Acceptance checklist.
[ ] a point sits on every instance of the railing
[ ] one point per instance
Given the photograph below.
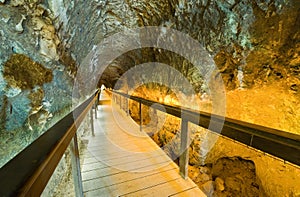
(278, 143)
(28, 173)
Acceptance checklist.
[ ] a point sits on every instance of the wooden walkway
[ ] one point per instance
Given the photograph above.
(122, 161)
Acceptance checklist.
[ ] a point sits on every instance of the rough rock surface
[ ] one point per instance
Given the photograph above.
(34, 85)
(267, 176)
(255, 45)
(273, 175)
(235, 176)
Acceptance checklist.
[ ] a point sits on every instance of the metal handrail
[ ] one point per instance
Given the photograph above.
(28, 173)
(279, 143)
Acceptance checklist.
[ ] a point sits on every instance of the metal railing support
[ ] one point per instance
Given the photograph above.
(184, 149)
(95, 107)
(76, 167)
(127, 106)
(121, 103)
(92, 122)
(141, 116)
(98, 98)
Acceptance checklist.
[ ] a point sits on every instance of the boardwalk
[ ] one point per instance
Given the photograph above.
(122, 161)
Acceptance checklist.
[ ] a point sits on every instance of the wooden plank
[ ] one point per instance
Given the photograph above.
(90, 160)
(135, 166)
(92, 166)
(103, 140)
(130, 163)
(118, 177)
(116, 151)
(134, 185)
(164, 189)
(193, 192)
(125, 144)
(85, 155)
(120, 151)
(104, 102)
(119, 160)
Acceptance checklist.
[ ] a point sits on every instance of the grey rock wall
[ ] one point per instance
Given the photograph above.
(253, 43)
(34, 83)
(235, 33)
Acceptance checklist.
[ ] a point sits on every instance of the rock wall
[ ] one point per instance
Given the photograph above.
(276, 177)
(268, 176)
(34, 83)
(228, 176)
(235, 33)
(255, 45)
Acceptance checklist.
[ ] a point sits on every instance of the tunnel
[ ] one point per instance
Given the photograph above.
(211, 86)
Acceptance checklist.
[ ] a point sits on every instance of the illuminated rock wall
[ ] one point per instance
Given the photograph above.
(255, 45)
(270, 176)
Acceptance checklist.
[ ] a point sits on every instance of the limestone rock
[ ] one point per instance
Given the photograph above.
(204, 178)
(205, 169)
(22, 72)
(17, 3)
(48, 49)
(194, 173)
(19, 26)
(219, 183)
(13, 91)
(208, 188)
(234, 184)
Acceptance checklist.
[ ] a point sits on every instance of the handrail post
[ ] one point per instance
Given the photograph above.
(141, 116)
(121, 102)
(127, 102)
(92, 122)
(184, 148)
(127, 106)
(76, 167)
(98, 98)
(96, 106)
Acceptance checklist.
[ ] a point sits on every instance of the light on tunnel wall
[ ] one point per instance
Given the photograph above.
(102, 87)
(169, 100)
(155, 72)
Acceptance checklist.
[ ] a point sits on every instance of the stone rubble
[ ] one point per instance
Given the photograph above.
(19, 26)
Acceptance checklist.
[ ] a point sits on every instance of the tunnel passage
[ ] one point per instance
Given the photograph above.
(254, 44)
